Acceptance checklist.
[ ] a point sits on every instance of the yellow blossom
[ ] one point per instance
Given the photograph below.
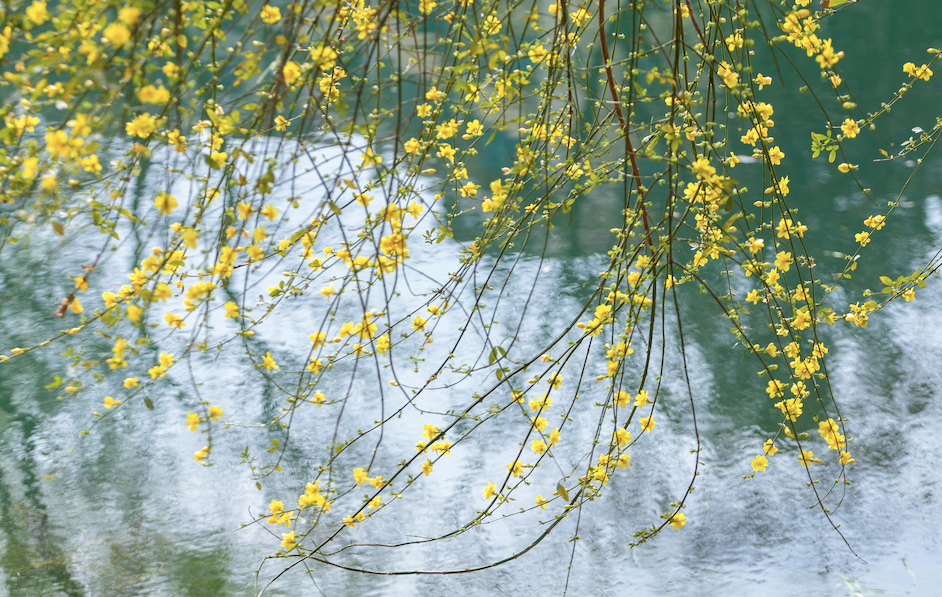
(117, 34)
(270, 14)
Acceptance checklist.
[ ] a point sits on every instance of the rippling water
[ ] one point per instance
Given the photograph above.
(130, 513)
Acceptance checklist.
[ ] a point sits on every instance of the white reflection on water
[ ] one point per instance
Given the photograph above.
(133, 515)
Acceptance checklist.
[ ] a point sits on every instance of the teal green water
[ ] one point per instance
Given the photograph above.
(130, 514)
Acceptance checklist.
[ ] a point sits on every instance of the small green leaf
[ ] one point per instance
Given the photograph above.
(148, 403)
(562, 491)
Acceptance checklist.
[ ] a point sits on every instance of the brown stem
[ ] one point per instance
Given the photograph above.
(635, 172)
(693, 20)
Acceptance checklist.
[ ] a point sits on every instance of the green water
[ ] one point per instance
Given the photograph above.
(130, 513)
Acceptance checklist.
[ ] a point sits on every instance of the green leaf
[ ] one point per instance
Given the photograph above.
(886, 280)
(562, 491)
(56, 382)
(59, 228)
(148, 403)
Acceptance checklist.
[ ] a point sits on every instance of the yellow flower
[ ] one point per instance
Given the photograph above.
(174, 321)
(281, 123)
(647, 423)
(36, 12)
(153, 95)
(129, 15)
(474, 130)
(219, 158)
(57, 142)
(678, 520)
(109, 402)
(291, 71)
(515, 468)
(370, 158)
(193, 421)
(536, 53)
(165, 203)
(850, 128)
(621, 436)
(469, 189)
(130, 382)
(134, 312)
(269, 211)
(117, 34)
(90, 163)
(769, 447)
(729, 76)
(232, 309)
(142, 126)
(268, 362)
(287, 541)
(271, 14)
(492, 24)
(215, 412)
(759, 463)
(806, 457)
(324, 57)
